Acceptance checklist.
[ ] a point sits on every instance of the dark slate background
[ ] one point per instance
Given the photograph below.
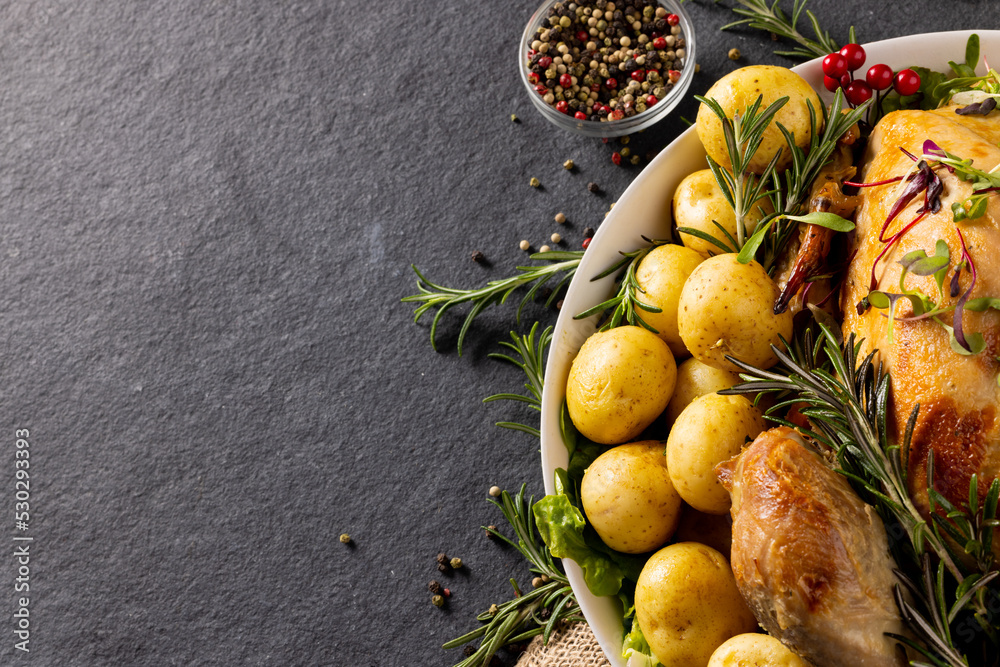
(209, 210)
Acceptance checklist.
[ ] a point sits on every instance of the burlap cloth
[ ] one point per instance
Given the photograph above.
(573, 646)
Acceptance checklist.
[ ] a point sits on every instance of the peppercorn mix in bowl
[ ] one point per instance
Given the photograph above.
(606, 69)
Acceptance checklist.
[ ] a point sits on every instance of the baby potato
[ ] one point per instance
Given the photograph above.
(629, 498)
(619, 383)
(699, 203)
(661, 274)
(714, 530)
(687, 604)
(711, 430)
(736, 91)
(695, 379)
(755, 650)
(727, 308)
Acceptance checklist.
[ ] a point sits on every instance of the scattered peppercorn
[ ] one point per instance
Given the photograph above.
(490, 535)
(545, 613)
(593, 187)
(468, 651)
(584, 245)
(568, 165)
(446, 592)
(556, 238)
(442, 558)
(434, 587)
(437, 601)
(734, 54)
(560, 218)
(559, 304)
(478, 257)
(616, 157)
(493, 610)
(635, 159)
(544, 248)
(513, 118)
(626, 152)
(534, 182)
(624, 140)
(524, 245)
(536, 582)
(545, 578)
(455, 563)
(444, 567)
(345, 538)
(588, 232)
(495, 491)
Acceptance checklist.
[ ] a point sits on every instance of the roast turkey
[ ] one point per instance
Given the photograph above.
(957, 394)
(810, 557)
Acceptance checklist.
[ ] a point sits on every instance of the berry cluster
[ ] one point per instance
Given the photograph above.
(839, 68)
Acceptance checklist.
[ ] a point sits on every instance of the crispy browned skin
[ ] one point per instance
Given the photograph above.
(958, 394)
(810, 558)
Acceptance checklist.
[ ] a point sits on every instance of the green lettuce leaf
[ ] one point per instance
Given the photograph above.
(561, 526)
(636, 649)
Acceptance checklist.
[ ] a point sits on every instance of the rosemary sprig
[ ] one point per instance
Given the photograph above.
(532, 362)
(788, 191)
(626, 303)
(773, 20)
(537, 612)
(743, 134)
(496, 292)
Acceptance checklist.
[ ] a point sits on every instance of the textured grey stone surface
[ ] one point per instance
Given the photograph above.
(208, 214)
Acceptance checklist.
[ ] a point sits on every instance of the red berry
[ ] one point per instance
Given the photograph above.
(639, 75)
(831, 84)
(532, 78)
(858, 92)
(879, 77)
(582, 35)
(611, 83)
(595, 87)
(566, 80)
(651, 100)
(579, 115)
(835, 65)
(586, 242)
(562, 106)
(855, 56)
(616, 157)
(673, 19)
(659, 43)
(907, 82)
(545, 61)
(541, 89)
(846, 80)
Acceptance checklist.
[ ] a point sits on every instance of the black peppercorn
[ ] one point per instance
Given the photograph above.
(434, 587)
(593, 187)
(489, 535)
(601, 4)
(444, 567)
(478, 256)
(551, 83)
(545, 613)
(588, 232)
(661, 25)
(468, 651)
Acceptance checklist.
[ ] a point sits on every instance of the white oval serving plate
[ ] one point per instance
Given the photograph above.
(644, 210)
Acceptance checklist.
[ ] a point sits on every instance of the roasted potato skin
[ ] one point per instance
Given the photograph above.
(699, 203)
(695, 379)
(738, 90)
(619, 383)
(629, 499)
(755, 650)
(661, 274)
(711, 430)
(727, 308)
(687, 604)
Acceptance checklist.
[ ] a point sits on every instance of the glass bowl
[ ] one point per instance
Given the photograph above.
(629, 124)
